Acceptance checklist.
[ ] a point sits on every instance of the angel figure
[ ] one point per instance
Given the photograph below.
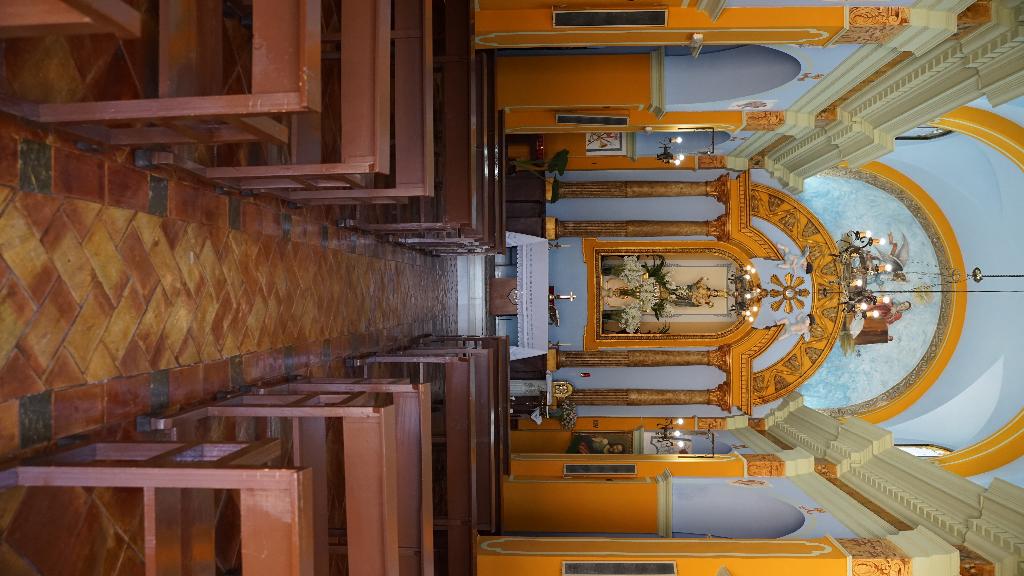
(898, 256)
(800, 327)
(795, 263)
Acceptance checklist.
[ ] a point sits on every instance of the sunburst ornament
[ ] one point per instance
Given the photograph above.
(789, 292)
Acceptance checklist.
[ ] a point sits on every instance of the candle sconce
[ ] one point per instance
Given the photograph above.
(670, 440)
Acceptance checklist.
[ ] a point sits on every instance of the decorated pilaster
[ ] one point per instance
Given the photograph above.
(718, 357)
(719, 396)
(554, 228)
(907, 553)
(717, 189)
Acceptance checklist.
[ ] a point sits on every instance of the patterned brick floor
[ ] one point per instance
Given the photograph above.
(124, 292)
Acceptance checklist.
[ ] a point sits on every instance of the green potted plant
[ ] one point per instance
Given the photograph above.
(555, 166)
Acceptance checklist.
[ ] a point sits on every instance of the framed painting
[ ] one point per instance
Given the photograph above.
(606, 144)
(601, 442)
(661, 294)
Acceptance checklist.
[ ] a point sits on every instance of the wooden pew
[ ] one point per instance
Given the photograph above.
(21, 18)
(177, 480)
(501, 366)
(490, 366)
(413, 454)
(285, 80)
(368, 416)
(467, 216)
(457, 527)
(366, 56)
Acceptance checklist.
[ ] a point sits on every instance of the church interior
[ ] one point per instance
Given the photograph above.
(511, 287)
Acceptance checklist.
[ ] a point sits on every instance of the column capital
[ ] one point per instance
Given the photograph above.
(720, 358)
(719, 228)
(721, 396)
(550, 228)
(718, 188)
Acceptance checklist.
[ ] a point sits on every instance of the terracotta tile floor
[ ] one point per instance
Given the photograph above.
(124, 292)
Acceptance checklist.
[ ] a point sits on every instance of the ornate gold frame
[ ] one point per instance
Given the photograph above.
(594, 249)
(806, 356)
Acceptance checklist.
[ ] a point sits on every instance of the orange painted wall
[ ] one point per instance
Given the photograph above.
(542, 121)
(616, 423)
(618, 81)
(533, 26)
(508, 556)
(539, 441)
(575, 143)
(612, 506)
(648, 465)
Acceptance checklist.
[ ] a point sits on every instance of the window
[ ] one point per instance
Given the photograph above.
(924, 450)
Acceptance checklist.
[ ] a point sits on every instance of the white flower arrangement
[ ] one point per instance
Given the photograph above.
(630, 317)
(648, 294)
(633, 272)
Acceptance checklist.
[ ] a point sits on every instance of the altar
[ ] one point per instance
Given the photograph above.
(532, 295)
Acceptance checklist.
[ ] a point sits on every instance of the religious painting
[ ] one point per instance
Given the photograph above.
(663, 294)
(887, 344)
(606, 144)
(601, 443)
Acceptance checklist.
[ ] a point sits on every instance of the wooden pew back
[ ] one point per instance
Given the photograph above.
(371, 481)
(177, 479)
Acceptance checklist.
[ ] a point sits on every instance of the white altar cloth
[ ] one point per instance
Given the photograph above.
(532, 285)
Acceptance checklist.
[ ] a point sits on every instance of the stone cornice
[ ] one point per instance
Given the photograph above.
(931, 22)
(990, 522)
(949, 74)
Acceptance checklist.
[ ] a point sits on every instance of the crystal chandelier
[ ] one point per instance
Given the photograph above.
(746, 294)
(858, 266)
(666, 155)
(669, 440)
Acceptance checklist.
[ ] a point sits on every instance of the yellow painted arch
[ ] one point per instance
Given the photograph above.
(959, 301)
(998, 132)
(1007, 443)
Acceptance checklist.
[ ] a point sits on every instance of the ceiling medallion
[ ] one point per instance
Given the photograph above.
(789, 292)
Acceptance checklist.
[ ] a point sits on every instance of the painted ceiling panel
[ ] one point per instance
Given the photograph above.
(873, 367)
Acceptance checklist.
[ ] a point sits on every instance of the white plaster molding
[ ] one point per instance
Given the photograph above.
(737, 421)
(754, 144)
(998, 533)
(756, 441)
(664, 481)
(929, 554)
(797, 461)
(800, 116)
(713, 8)
(930, 23)
(852, 514)
(990, 522)
(736, 163)
(951, 73)
(857, 442)
(657, 105)
(788, 403)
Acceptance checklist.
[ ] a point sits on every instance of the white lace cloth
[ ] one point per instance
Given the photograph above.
(532, 285)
